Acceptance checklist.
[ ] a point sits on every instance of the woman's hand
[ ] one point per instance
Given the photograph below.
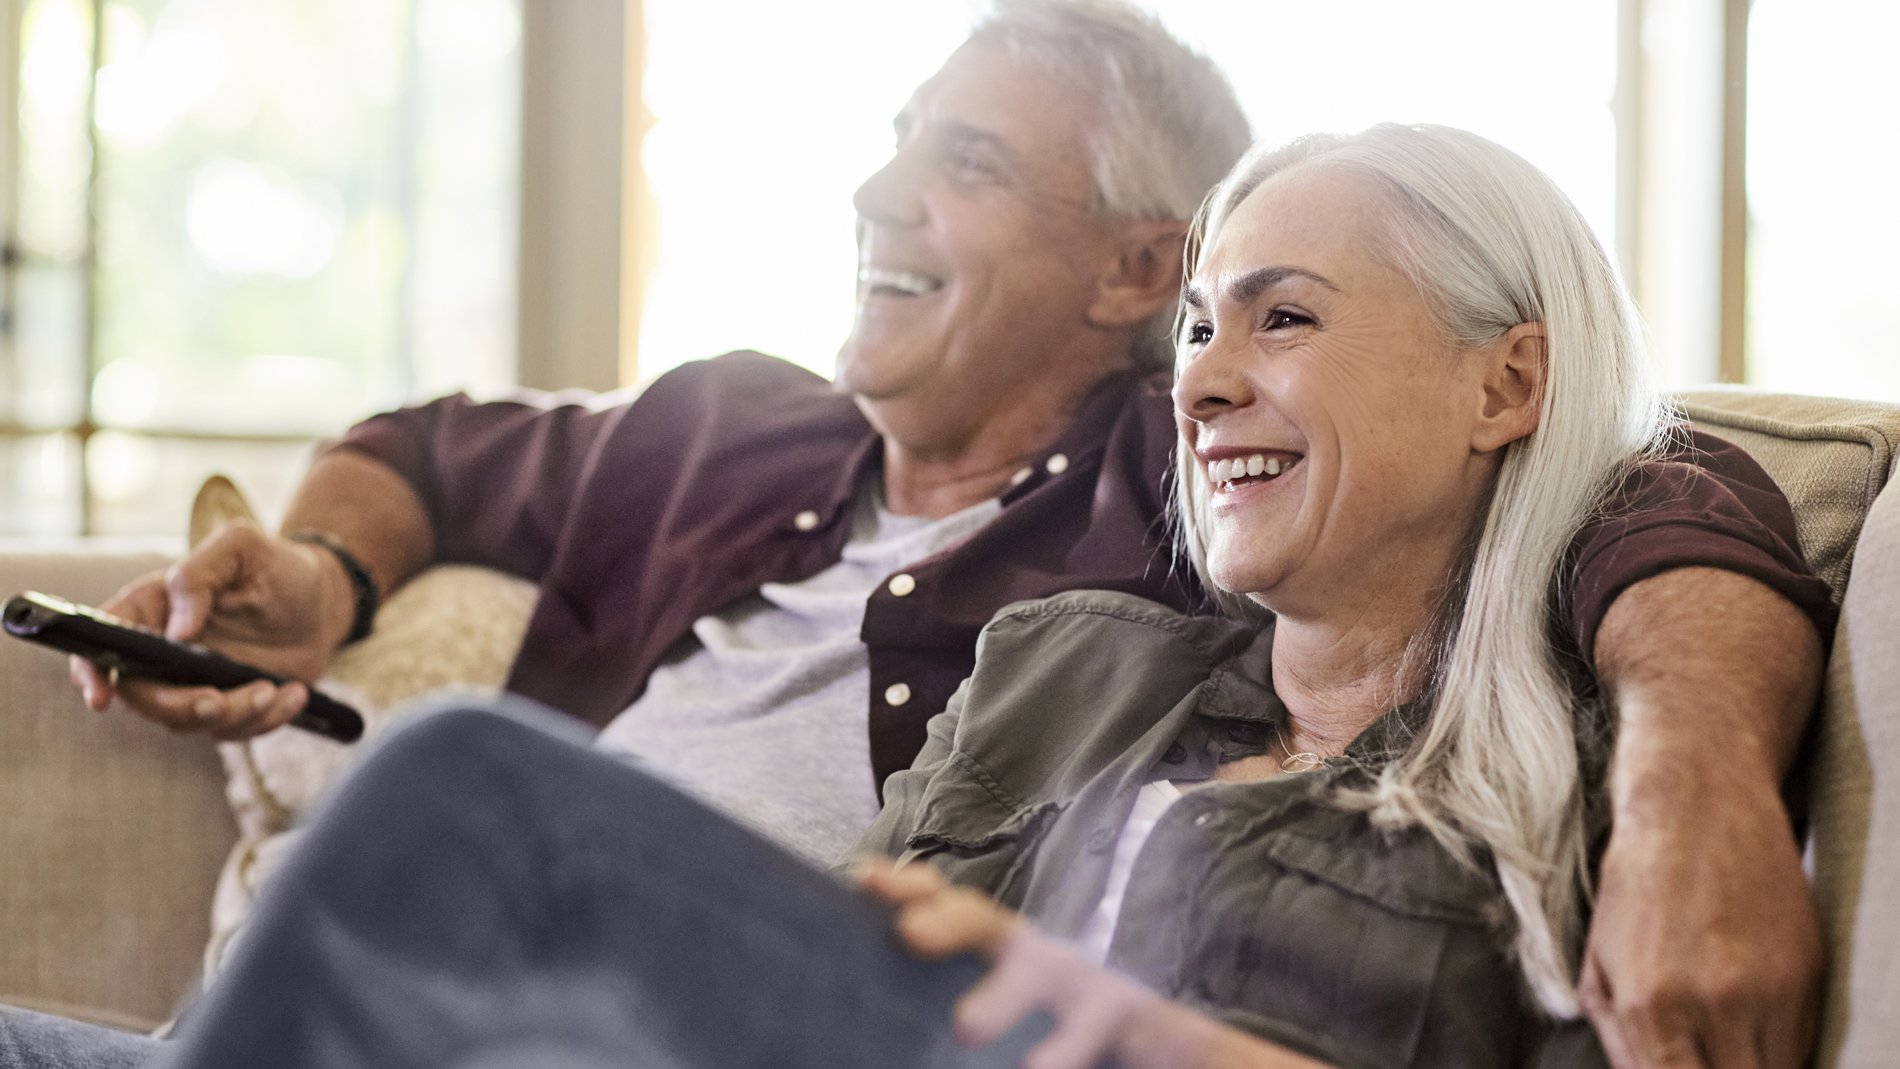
(1098, 1014)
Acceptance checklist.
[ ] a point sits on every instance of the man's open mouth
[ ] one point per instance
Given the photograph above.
(885, 282)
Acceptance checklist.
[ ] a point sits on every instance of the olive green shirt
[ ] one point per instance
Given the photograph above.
(1260, 903)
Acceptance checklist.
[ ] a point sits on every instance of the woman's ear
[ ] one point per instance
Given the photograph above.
(1144, 277)
(1514, 371)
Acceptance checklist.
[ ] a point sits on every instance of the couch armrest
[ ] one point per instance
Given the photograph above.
(1855, 808)
(112, 831)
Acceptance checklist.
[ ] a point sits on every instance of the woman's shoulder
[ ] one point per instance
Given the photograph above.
(1091, 672)
(1088, 618)
(1106, 650)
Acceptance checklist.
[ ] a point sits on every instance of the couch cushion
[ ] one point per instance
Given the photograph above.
(452, 627)
(1830, 456)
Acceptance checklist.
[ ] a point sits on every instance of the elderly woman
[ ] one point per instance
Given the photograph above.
(1363, 827)
(1359, 830)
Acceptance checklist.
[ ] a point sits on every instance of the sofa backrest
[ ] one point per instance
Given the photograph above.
(1830, 456)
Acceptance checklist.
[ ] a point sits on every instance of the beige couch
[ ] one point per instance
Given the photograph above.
(112, 833)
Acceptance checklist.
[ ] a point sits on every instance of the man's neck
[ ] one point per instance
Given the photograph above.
(935, 488)
(946, 471)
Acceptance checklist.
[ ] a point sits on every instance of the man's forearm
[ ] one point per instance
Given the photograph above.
(1705, 668)
(1705, 948)
(372, 510)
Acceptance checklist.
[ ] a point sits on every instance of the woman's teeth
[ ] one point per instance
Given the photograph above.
(1226, 471)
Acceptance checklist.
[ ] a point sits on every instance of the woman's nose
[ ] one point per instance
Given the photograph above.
(1210, 382)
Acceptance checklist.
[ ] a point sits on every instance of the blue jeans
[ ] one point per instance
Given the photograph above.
(487, 891)
(36, 1041)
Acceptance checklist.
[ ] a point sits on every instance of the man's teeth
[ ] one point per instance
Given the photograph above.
(1224, 471)
(908, 283)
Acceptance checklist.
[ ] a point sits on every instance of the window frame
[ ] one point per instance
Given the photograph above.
(579, 81)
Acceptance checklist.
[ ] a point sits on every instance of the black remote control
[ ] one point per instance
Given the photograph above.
(112, 643)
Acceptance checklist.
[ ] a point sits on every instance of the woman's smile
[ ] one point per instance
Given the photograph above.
(1230, 474)
(1254, 480)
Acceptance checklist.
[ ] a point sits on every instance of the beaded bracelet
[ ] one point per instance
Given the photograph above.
(367, 599)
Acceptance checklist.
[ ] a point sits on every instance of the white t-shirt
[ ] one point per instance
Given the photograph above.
(761, 711)
(1152, 801)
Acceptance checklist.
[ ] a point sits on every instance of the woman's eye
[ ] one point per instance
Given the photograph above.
(1200, 333)
(1281, 318)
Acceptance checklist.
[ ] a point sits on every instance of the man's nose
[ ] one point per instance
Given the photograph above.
(891, 195)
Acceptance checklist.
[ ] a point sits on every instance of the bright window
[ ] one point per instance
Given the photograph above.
(768, 115)
(298, 212)
(1824, 224)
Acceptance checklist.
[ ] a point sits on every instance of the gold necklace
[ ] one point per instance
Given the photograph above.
(1304, 761)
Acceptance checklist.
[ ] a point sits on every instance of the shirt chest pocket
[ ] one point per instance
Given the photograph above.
(1360, 952)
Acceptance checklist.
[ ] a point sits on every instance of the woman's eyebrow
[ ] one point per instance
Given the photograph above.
(1252, 284)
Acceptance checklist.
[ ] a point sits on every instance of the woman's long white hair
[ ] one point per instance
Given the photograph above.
(1492, 243)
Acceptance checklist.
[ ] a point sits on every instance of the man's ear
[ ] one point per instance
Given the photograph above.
(1143, 278)
(1513, 398)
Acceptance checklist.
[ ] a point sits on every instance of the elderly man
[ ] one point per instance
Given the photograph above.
(731, 562)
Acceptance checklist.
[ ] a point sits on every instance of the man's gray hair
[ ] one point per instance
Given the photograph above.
(1505, 762)
(1169, 125)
